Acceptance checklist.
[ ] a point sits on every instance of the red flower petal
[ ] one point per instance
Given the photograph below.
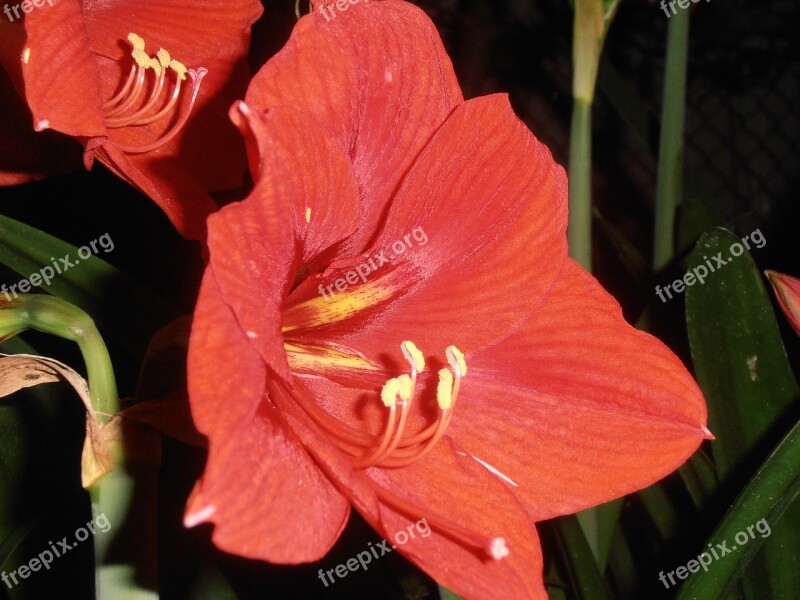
(270, 227)
(378, 78)
(492, 204)
(169, 415)
(26, 155)
(195, 31)
(254, 461)
(787, 291)
(314, 169)
(62, 85)
(450, 483)
(173, 188)
(255, 297)
(576, 407)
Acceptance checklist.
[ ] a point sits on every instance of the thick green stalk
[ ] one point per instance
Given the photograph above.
(579, 232)
(62, 319)
(591, 23)
(587, 41)
(669, 186)
(112, 495)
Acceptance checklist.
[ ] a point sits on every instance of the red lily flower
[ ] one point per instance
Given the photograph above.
(152, 108)
(387, 210)
(787, 291)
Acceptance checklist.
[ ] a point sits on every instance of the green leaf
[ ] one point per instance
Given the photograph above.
(12, 451)
(587, 580)
(446, 594)
(211, 584)
(743, 370)
(11, 468)
(771, 492)
(11, 547)
(661, 510)
(610, 10)
(622, 565)
(598, 524)
(125, 311)
(738, 355)
(607, 520)
(700, 478)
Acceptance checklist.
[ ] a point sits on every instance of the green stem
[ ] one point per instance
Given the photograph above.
(669, 186)
(579, 232)
(114, 493)
(590, 25)
(587, 42)
(62, 319)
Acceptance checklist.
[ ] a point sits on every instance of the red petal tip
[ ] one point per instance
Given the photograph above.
(202, 515)
(707, 433)
(239, 112)
(197, 510)
(787, 292)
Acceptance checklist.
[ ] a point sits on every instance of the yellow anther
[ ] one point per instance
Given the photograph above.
(142, 59)
(163, 57)
(136, 42)
(413, 355)
(444, 392)
(156, 66)
(390, 391)
(456, 359)
(179, 68)
(404, 387)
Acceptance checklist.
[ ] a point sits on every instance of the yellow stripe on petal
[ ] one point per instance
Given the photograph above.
(338, 306)
(313, 359)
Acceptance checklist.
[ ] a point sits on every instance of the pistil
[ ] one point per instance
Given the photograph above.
(493, 547)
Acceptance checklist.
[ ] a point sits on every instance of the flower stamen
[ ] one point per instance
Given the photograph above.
(492, 547)
(127, 108)
(393, 448)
